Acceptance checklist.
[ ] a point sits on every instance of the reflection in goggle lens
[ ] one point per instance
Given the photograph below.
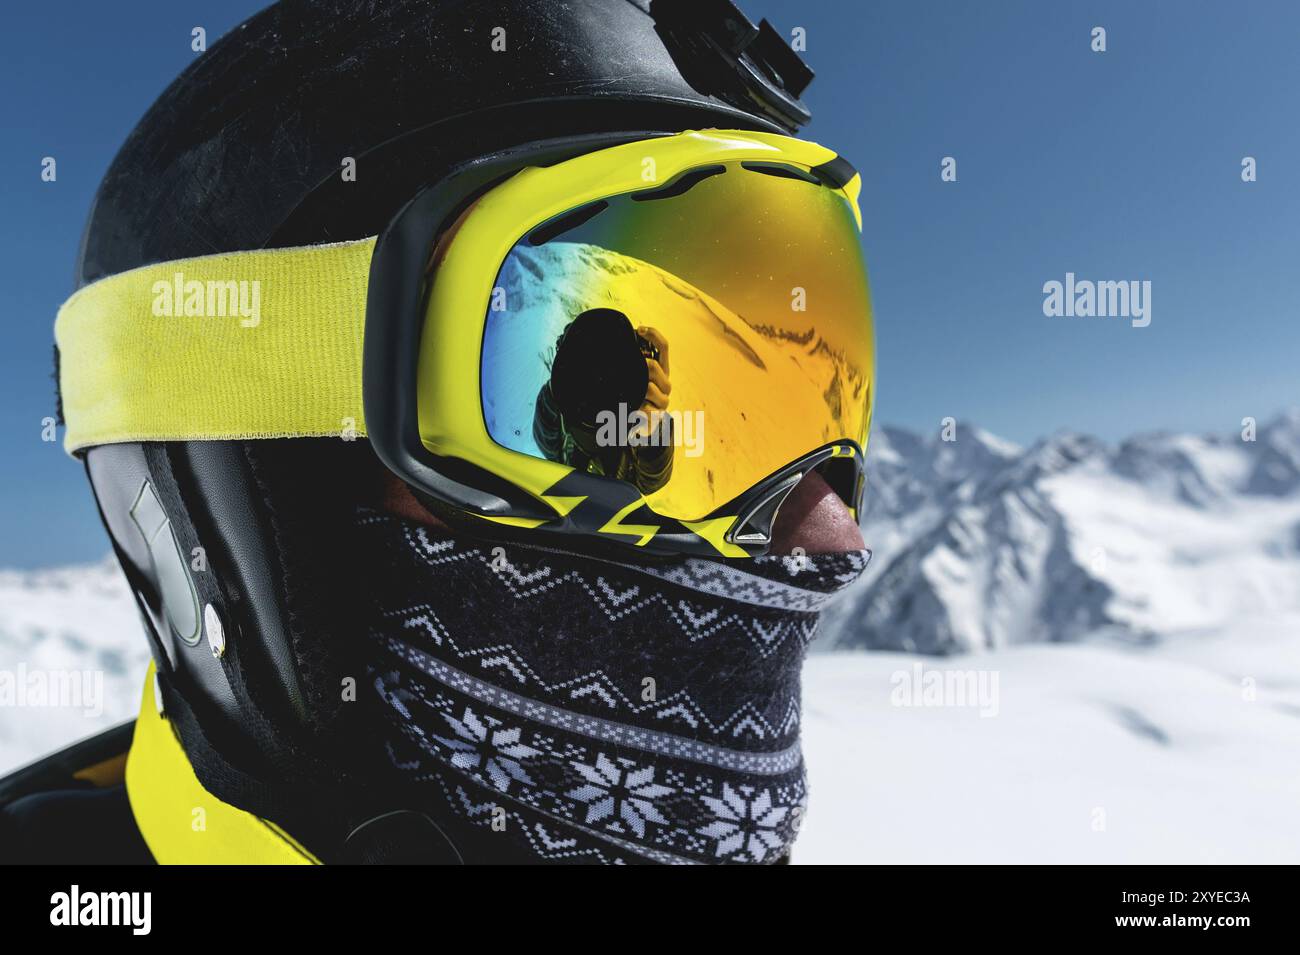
(690, 340)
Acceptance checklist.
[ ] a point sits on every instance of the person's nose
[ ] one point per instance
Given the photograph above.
(813, 518)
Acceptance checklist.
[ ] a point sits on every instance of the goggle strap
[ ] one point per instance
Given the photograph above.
(238, 345)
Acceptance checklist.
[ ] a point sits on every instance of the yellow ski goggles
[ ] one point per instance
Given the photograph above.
(639, 343)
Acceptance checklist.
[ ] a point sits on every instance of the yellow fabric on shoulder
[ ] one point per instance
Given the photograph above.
(258, 344)
(184, 824)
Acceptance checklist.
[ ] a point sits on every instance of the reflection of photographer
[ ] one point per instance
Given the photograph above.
(604, 366)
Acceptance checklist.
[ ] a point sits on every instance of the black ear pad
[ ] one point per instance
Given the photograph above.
(262, 532)
(157, 545)
(281, 516)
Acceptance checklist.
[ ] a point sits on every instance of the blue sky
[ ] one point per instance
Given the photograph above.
(1115, 165)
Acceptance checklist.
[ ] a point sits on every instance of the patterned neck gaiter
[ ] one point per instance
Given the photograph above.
(593, 711)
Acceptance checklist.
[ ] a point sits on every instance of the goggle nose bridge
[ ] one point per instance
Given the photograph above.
(754, 526)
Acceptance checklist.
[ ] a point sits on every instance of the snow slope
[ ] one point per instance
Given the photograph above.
(1179, 753)
(64, 624)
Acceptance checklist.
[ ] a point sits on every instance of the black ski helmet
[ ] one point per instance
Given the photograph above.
(243, 151)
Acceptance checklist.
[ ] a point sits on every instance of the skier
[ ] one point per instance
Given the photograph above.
(378, 634)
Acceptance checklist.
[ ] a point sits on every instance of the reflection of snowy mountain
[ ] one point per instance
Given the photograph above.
(774, 376)
(979, 544)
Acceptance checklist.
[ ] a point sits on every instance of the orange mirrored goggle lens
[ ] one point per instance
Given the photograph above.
(690, 339)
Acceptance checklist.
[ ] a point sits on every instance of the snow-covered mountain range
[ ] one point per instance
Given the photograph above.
(981, 544)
